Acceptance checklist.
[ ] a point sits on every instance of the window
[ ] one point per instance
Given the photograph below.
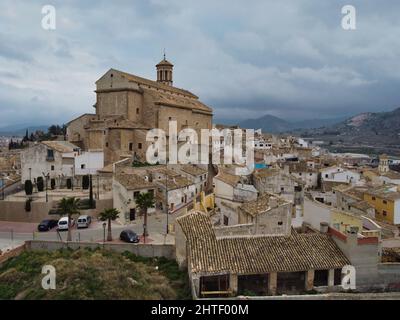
(82, 166)
(326, 176)
(282, 189)
(107, 144)
(373, 198)
(136, 194)
(384, 213)
(137, 110)
(226, 220)
(130, 146)
(170, 118)
(139, 145)
(50, 153)
(52, 168)
(384, 202)
(280, 223)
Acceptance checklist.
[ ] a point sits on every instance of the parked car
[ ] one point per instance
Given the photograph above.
(84, 221)
(129, 236)
(63, 223)
(47, 225)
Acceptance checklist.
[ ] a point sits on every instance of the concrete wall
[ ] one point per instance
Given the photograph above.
(144, 250)
(315, 213)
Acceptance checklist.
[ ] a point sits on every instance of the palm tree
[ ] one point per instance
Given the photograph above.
(69, 207)
(108, 215)
(145, 201)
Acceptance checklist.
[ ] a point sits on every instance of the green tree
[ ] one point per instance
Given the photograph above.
(69, 207)
(145, 201)
(109, 215)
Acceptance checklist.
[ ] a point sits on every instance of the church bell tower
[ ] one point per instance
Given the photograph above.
(164, 71)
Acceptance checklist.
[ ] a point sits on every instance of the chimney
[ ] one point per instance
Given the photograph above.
(273, 202)
(323, 227)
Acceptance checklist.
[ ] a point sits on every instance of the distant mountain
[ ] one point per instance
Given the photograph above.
(20, 130)
(385, 124)
(272, 124)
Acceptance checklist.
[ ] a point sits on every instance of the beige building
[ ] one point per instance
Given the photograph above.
(127, 106)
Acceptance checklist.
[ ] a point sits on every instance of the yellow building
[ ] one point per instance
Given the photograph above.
(343, 221)
(386, 201)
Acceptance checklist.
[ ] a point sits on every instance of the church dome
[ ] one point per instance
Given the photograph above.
(164, 62)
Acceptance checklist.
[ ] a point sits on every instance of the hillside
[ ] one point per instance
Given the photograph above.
(20, 130)
(86, 274)
(272, 124)
(376, 132)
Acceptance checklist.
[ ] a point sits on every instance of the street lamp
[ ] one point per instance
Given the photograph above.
(46, 177)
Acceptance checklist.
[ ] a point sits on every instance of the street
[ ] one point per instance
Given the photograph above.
(15, 233)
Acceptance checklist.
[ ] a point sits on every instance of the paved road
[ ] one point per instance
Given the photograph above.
(14, 233)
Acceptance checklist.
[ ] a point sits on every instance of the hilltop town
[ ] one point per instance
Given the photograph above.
(288, 227)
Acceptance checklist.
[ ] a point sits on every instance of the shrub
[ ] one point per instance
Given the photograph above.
(85, 182)
(28, 205)
(40, 184)
(28, 187)
(53, 184)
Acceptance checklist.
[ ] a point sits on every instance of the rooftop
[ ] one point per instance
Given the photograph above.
(133, 181)
(257, 254)
(61, 146)
(263, 203)
(388, 192)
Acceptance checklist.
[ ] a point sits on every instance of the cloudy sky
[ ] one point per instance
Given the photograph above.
(291, 59)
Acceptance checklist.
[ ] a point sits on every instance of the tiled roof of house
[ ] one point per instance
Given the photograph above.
(193, 170)
(388, 192)
(228, 178)
(133, 181)
(263, 203)
(259, 254)
(61, 146)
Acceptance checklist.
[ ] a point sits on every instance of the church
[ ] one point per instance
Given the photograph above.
(127, 106)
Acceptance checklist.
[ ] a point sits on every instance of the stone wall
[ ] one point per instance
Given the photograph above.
(143, 250)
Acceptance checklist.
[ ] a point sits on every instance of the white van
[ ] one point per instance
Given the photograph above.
(63, 223)
(84, 221)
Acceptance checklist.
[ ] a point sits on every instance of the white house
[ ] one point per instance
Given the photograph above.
(339, 174)
(59, 161)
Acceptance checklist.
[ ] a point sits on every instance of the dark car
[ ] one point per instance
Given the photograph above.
(47, 225)
(129, 236)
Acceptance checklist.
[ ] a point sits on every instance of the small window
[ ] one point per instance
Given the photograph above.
(137, 110)
(373, 198)
(384, 202)
(107, 144)
(226, 220)
(83, 166)
(169, 118)
(280, 223)
(384, 213)
(52, 168)
(326, 176)
(130, 146)
(136, 194)
(139, 145)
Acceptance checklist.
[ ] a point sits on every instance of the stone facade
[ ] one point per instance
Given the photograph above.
(127, 106)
